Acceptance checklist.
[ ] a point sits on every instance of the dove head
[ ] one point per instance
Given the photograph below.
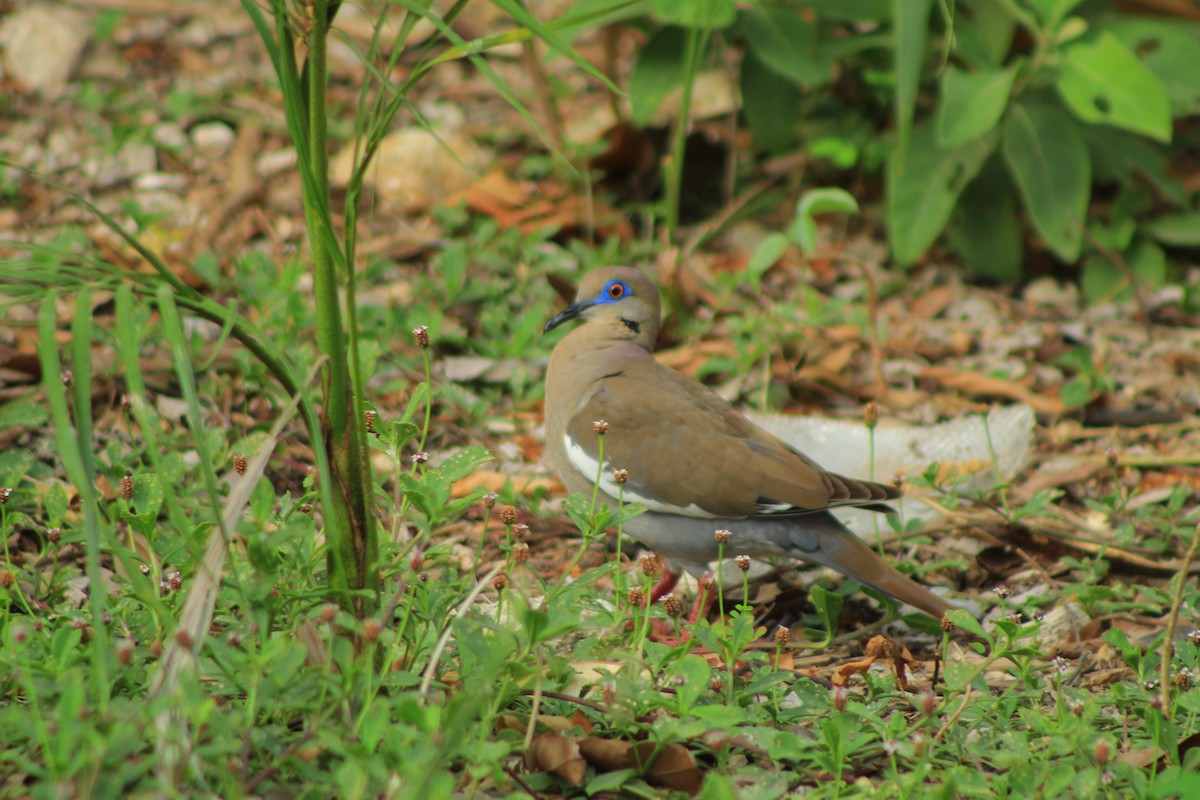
(617, 303)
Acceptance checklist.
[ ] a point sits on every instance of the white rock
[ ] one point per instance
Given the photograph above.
(42, 44)
(273, 162)
(1060, 627)
(212, 139)
(131, 161)
(169, 136)
(414, 169)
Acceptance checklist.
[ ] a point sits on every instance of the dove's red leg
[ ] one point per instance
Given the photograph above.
(664, 586)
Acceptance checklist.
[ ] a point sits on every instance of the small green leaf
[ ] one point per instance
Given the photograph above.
(1103, 82)
(579, 509)
(786, 43)
(972, 103)
(922, 187)
(56, 506)
(829, 607)
(1076, 393)
(627, 512)
(658, 72)
(415, 492)
(1048, 160)
(147, 495)
(766, 255)
(461, 464)
(803, 230)
(25, 412)
(706, 14)
(398, 433)
(609, 782)
(1105, 281)
(1176, 230)
(1052, 12)
(963, 620)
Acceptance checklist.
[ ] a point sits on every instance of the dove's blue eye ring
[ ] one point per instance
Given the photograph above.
(615, 290)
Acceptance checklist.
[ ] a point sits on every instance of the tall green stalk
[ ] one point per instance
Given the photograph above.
(349, 524)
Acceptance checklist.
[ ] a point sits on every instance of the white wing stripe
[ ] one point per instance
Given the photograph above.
(588, 467)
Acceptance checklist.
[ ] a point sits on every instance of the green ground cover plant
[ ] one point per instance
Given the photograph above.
(259, 541)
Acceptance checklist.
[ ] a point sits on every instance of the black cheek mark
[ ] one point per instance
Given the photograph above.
(633, 326)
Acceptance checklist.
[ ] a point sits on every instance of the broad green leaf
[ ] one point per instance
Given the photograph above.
(985, 229)
(1052, 12)
(922, 187)
(803, 230)
(852, 10)
(911, 27)
(984, 36)
(1048, 159)
(972, 103)
(1118, 156)
(708, 14)
(1103, 82)
(786, 44)
(771, 104)
(1177, 230)
(1171, 50)
(658, 72)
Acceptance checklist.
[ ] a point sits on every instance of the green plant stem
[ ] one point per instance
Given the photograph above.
(425, 358)
(1168, 645)
(697, 40)
(720, 582)
(349, 524)
(618, 577)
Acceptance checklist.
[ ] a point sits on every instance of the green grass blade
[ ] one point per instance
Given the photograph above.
(73, 460)
(182, 359)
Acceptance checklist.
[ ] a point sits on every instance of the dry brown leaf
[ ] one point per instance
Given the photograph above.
(674, 767)
(928, 305)
(689, 359)
(978, 383)
(608, 755)
(553, 752)
(878, 647)
(510, 722)
(581, 721)
(556, 722)
(1141, 757)
(838, 359)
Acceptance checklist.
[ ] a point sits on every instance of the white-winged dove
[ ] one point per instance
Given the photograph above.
(696, 463)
